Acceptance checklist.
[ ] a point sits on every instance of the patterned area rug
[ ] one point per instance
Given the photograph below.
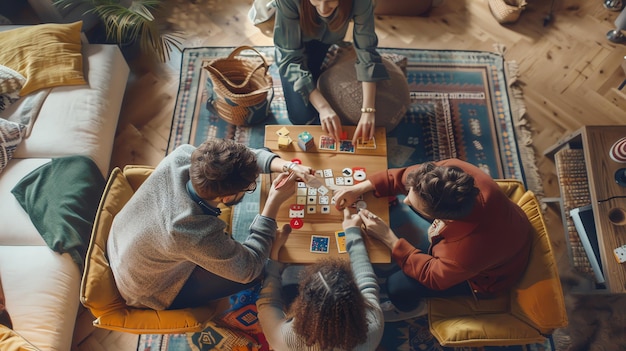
(463, 104)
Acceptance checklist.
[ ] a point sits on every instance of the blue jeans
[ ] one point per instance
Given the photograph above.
(204, 286)
(299, 109)
(405, 292)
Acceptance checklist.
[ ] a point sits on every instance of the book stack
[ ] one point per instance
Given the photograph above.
(574, 187)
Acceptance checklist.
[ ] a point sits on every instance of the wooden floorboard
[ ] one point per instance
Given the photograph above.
(568, 70)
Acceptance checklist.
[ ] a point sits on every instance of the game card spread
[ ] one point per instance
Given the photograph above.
(319, 243)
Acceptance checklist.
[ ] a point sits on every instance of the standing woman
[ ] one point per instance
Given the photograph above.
(304, 30)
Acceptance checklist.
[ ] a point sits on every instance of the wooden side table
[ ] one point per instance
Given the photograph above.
(605, 193)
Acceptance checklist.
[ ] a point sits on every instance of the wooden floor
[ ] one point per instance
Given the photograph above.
(568, 70)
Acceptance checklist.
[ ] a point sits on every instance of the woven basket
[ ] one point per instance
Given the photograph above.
(240, 88)
(506, 11)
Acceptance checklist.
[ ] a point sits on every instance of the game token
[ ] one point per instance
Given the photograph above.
(296, 223)
(359, 174)
(296, 211)
(282, 131)
(361, 205)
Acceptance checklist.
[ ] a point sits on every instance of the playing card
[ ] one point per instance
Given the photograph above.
(319, 244)
(341, 241)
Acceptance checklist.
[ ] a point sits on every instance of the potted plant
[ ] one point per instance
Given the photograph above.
(133, 22)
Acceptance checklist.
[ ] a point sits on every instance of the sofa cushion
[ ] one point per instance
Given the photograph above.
(88, 114)
(21, 231)
(10, 138)
(10, 80)
(48, 55)
(12, 341)
(41, 288)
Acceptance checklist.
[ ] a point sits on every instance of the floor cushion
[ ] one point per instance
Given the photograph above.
(344, 93)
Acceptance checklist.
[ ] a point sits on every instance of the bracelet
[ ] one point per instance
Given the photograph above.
(368, 110)
(289, 166)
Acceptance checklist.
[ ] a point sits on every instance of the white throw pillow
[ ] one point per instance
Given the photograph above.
(11, 83)
(11, 135)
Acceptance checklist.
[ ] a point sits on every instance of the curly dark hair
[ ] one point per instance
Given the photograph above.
(447, 191)
(310, 21)
(330, 310)
(222, 167)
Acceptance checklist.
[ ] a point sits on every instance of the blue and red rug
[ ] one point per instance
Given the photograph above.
(462, 105)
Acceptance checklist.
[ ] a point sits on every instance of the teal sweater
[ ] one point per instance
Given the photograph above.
(289, 42)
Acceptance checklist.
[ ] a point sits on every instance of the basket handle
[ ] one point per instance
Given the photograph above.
(249, 76)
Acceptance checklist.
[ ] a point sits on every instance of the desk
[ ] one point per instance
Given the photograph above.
(296, 250)
(604, 193)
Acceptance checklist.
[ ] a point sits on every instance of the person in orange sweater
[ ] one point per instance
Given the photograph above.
(479, 239)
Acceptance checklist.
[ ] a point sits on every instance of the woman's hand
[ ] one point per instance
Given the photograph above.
(377, 228)
(303, 172)
(280, 240)
(345, 196)
(331, 124)
(365, 128)
(351, 219)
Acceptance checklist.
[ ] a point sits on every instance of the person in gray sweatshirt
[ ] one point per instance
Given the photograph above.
(167, 247)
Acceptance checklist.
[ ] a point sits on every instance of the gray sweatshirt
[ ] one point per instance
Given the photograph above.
(161, 235)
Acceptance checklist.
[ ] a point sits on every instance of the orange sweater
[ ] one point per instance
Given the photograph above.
(489, 248)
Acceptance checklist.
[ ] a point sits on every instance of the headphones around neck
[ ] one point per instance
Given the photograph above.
(206, 208)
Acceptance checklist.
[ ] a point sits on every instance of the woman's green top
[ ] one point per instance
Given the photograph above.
(289, 42)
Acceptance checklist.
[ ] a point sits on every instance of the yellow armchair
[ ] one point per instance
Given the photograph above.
(98, 291)
(529, 313)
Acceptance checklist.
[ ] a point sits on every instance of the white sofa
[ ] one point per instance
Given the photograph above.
(40, 285)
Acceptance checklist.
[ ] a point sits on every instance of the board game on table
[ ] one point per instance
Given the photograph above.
(310, 211)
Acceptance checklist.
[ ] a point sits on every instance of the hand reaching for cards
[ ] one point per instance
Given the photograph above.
(279, 241)
(366, 128)
(331, 124)
(351, 219)
(377, 228)
(345, 196)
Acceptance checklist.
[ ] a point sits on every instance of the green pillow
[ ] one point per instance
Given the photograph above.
(61, 199)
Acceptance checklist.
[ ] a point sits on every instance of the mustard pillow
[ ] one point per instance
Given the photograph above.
(12, 341)
(48, 55)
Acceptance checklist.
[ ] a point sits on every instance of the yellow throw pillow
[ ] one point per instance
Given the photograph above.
(12, 341)
(48, 55)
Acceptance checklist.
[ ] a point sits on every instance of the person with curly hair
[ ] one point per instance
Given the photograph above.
(304, 30)
(479, 240)
(167, 247)
(337, 303)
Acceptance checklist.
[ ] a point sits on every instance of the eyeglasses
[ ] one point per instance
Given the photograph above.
(251, 188)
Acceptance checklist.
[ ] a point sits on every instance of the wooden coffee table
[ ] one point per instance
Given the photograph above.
(297, 248)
